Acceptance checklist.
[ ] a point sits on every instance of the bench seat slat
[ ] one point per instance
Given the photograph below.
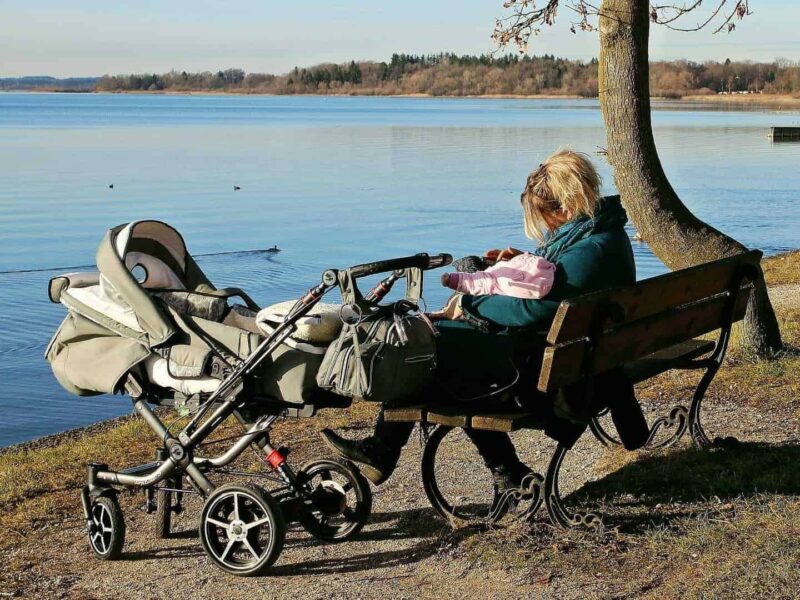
(452, 416)
(414, 414)
(506, 422)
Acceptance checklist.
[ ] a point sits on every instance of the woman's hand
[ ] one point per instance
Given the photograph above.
(451, 310)
(496, 256)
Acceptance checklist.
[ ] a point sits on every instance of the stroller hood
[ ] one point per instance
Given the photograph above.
(160, 254)
(132, 258)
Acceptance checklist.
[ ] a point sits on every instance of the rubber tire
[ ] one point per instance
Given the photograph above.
(163, 524)
(277, 524)
(435, 497)
(111, 504)
(163, 514)
(363, 493)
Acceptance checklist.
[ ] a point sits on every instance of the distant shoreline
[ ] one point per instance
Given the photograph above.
(777, 101)
(774, 101)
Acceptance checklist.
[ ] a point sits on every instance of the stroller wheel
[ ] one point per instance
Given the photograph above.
(106, 527)
(165, 507)
(242, 529)
(337, 500)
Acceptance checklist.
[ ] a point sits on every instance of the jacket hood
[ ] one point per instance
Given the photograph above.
(609, 215)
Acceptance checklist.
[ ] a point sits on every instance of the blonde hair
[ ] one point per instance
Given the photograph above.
(566, 181)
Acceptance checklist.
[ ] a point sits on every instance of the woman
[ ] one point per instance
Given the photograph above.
(584, 235)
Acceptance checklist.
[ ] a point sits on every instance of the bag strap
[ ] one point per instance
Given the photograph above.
(343, 335)
(350, 292)
(414, 284)
(352, 295)
(361, 371)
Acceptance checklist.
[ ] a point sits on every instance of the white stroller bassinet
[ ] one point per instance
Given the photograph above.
(151, 311)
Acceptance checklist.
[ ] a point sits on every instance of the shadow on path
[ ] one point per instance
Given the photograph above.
(417, 523)
(421, 525)
(691, 475)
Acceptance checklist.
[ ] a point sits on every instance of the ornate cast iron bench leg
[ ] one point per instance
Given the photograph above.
(680, 419)
(521, 503)
(712, 365)
(559, 514)
(600, 433)
(683, 420)
(529, 494)
(714, 362)
(699, 436)
(677, 420)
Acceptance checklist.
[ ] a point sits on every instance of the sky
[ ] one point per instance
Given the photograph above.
(95, 37)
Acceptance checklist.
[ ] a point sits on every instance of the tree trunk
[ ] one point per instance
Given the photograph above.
(676, 236)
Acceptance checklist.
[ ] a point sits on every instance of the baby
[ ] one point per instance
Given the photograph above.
(522, 275)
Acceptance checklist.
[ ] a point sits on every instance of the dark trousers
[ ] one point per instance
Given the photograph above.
(495, 448)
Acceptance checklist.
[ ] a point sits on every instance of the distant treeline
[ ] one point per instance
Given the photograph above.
(42, 82)
(451, 75)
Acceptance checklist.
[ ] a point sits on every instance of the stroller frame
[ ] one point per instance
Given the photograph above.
(176, 458)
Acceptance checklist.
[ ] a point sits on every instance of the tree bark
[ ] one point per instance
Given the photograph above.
(676, 236)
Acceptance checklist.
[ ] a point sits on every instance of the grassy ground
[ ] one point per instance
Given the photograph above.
(683, 523)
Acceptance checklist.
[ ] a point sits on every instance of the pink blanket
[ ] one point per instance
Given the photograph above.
(525, 276)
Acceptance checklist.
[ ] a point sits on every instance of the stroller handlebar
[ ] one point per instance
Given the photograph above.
(421, 261)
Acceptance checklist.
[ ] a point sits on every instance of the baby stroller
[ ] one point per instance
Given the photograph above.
(152, 325)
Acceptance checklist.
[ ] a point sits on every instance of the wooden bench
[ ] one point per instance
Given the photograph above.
(647, 328)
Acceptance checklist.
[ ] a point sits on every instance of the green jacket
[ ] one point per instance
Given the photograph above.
(590, 254)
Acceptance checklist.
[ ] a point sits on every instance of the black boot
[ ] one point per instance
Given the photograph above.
(501, 458)
(378, 454)
(514, 477)
(376, 460)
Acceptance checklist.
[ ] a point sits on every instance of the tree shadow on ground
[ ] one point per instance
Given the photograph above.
(165, 552)
(432, 532)
(652, 486)
(422, 525)
(395, 526)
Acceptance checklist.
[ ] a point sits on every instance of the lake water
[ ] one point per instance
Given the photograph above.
(331, 181)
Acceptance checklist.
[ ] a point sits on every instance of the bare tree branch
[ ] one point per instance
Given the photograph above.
(667, 14)
(528, 17)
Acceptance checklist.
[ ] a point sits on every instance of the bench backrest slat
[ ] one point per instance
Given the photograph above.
(658, 313)
(651, 296)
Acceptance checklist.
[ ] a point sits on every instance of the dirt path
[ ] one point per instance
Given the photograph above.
(400, 554)
(405, 551)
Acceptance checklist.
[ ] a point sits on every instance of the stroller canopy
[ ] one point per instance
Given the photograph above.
(132, 259)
